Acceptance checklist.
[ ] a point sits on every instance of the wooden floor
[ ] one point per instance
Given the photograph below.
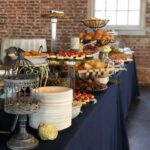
(138, 121)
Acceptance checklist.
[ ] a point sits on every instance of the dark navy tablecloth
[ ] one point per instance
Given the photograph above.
(100, 126)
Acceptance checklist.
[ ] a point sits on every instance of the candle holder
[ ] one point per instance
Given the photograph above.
(53, 15)
(53, 34)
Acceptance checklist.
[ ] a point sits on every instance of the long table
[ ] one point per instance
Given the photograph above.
(101, 125)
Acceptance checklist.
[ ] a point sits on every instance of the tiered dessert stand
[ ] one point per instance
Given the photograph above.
(41, 70)
(94, 24)
(20, 101)
(53, 15)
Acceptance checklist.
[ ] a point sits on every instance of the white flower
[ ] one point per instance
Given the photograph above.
(48, 132)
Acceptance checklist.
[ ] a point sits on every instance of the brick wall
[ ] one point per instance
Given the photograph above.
(22, 19)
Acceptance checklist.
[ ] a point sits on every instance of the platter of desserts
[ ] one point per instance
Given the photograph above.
(100, 36)
(70, 56)
(90, 86)
(91, 64)
(34, 56)
(84, 98)
(94, 69)
(118, 57)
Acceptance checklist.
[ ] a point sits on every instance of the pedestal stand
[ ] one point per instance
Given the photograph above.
(53, 34)
(23, 140)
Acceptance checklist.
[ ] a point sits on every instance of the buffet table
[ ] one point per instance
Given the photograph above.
(101, 125)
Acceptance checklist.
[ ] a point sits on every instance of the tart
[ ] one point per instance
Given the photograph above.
(52, 56)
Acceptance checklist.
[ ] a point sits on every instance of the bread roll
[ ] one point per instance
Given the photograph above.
(88, 66)
(88, 37)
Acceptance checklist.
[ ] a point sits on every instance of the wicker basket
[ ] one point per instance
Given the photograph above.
(95, 23)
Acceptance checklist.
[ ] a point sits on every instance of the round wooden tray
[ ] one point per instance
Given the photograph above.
(53, 15)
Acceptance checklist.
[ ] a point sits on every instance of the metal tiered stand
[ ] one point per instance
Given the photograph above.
(21, 100)
(93, 25)
(54, 15)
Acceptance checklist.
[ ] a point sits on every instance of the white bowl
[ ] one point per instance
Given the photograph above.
(35, 60)
(76, 109)
(102, 80)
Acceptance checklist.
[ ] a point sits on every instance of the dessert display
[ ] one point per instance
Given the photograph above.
(105, 48)
(94, 69)
(90, 48)
(83, 98)
(91, 64)
(33, 53)
(33, 56)
(117, 55)
(72, 78)
(21, 104)
(90, 86)
(100, 35)
(70, 55)
(36, 58)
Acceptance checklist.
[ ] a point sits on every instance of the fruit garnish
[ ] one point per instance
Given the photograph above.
(83, 97)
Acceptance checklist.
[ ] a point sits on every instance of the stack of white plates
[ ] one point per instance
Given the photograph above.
(55, 107)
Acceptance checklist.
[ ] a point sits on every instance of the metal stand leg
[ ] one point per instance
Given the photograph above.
(23, 140)
(53, 34)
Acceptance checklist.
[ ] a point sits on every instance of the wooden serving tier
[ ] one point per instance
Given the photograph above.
(53, 15)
